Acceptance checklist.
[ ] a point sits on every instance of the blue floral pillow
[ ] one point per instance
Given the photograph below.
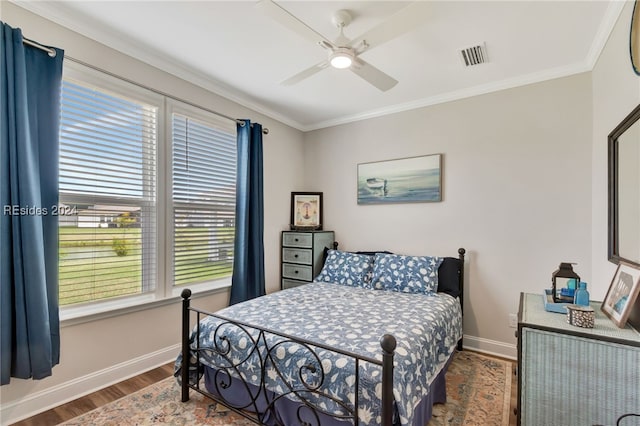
(347, 268)
(406, 274)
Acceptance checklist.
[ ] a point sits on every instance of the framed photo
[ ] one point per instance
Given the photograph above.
(622, 294)
(405, 180)
(306, 210)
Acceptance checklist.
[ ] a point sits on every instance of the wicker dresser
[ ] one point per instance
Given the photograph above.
(569, 375)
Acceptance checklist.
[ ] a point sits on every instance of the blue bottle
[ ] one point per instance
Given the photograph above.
(582, 295)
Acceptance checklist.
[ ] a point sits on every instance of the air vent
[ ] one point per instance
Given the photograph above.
(474, 55)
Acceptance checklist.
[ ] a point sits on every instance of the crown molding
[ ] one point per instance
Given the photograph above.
(612, 14)
(79, 24)
(87, 28)
(459, 94)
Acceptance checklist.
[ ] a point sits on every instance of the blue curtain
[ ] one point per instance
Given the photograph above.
(248, 261)
(29, 125)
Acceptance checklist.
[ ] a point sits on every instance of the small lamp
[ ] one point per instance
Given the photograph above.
(564, 277)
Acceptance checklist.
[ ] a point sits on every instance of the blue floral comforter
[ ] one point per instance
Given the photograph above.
(426, 327)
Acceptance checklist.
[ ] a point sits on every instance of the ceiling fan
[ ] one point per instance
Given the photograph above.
(344, 53)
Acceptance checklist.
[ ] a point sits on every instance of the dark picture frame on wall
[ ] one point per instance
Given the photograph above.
(306, 211)
(623, 164)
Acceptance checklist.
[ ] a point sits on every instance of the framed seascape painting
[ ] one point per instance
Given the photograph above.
(306, 211)
(622, 294)
(405, 180)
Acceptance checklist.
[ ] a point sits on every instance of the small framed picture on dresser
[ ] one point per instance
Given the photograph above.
(622, 294)
(306, 211)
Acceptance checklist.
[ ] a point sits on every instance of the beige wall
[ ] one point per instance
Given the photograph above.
(616, 91)
(516, 192)
(98, 352)
(524, 184)
(524, 188)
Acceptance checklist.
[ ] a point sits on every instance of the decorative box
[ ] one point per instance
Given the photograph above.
(581, 316)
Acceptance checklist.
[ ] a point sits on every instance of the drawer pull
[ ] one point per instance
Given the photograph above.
(296, 240)
(295, 272)
(295, 255)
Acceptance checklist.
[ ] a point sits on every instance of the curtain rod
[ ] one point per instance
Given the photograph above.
(52, 53)
(159, 92)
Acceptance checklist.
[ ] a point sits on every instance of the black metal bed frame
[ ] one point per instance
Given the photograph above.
(304, 390)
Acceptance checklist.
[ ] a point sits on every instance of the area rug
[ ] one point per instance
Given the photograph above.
(478, 393)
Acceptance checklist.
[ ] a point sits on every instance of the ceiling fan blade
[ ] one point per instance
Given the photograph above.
(289, 21)
(305, 74)
(399, 23)
(373, 75)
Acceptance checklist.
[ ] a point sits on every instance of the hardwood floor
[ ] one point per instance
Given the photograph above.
(94, 400)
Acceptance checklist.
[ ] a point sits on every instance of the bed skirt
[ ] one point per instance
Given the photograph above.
(287, 412)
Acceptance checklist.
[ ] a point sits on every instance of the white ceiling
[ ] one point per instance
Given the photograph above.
(234, 49)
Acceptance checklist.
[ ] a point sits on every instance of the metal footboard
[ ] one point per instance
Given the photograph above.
(263, 351)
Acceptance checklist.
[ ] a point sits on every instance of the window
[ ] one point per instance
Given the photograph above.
(114, 220)
(107, 187)
(204, 194)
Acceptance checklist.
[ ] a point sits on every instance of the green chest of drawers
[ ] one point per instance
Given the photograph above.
(302, 254)
(569, 375)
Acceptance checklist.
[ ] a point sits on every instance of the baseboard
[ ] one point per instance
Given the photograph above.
(57, 395)
(60, 394)
(490, 347)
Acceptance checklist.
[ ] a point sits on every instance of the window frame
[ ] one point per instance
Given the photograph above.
(165, 292)
(174, 106)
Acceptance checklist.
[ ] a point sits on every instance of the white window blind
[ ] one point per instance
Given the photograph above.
(108, 185)
(203, 194)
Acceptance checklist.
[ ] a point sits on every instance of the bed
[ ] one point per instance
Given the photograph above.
(367, 343)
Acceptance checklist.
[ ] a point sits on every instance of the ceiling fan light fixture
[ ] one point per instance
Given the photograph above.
(341, 58)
